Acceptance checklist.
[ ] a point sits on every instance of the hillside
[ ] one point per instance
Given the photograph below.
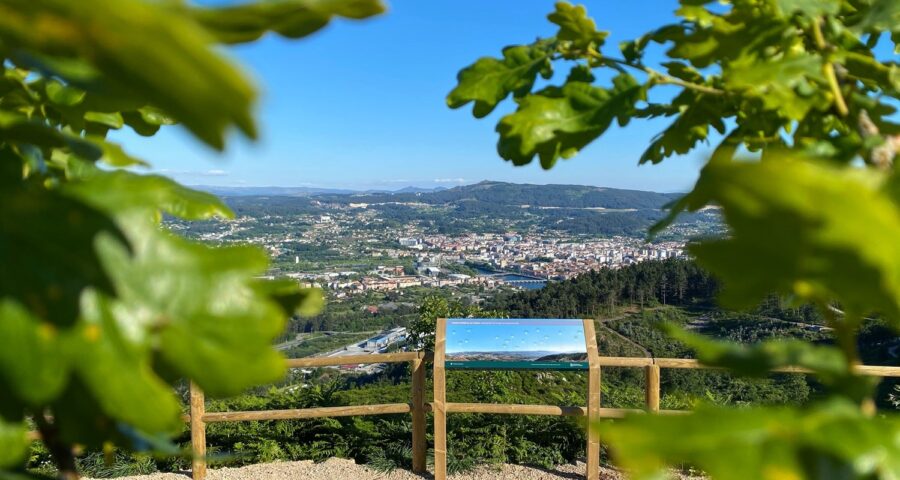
(484, 207)
(521, 195)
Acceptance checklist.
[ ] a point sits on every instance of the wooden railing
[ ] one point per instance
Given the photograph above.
(199, 417)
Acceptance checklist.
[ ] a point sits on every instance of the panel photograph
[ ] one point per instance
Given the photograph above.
(515, 344)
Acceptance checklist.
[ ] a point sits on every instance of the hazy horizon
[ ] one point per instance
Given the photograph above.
(398, 187)
(375, 116)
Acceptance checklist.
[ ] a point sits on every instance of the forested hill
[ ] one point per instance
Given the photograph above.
(598, 293)
(512, 194)
(489, 207)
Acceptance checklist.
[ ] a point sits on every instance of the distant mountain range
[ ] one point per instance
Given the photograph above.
(517, 356)
(485, 207)
(302, 191)
(496, 193)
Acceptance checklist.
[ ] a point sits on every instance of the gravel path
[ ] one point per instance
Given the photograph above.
(336, 468)
(343, 469)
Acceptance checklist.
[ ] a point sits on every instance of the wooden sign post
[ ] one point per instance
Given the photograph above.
(592, 450)
(512, 352)
(439, 407)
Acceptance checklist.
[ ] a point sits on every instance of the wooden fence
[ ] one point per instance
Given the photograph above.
(199, 417)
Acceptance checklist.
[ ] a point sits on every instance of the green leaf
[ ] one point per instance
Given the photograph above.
(18, 129)
(575, 26)
(115, 156)
(872, 72)
(201, 304)
(782, 85)
(288, 18)
(112, 120)
(810, 8)
(558, 122)
(13, 443)
(798, 227)
(213, 323)
(64, 94)
(146, 120)
(697, 112)
(136, 49)
(291, 299)
(113, 361)
(489, 80)
(832, 440)
(47, 251)
(33, 359)
(880, 16)
(121, 191)
(828, 363)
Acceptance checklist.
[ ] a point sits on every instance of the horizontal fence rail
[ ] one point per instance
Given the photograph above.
(418, 407)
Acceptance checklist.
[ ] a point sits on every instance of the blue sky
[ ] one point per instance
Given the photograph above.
(361, 105)
(514, 335)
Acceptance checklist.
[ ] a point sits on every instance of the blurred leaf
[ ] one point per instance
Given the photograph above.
(828, 363)
(557, 122)
(200, 302)
(872, 72)
(489, 80)
(799, 227)
(136, 49)
(122, 191)
(291, 299)
(810, 8)
(79, 418)
(782, 85)
(18, 129)
(113, 363)
(47, 252)
(882, 15)
(112, 120)
(288, 18)
(115, 156)
(63, 94)
(13, 443)
(833, 440)
(33, 359)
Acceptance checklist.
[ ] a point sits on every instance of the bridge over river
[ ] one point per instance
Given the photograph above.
(512, 278)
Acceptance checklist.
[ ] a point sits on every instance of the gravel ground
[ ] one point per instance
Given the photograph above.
(336, 468)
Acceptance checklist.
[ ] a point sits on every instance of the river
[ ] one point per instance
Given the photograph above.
(514, 279)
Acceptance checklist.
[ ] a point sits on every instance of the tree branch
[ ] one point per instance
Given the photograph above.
(828, 70)
(657, 76)
(62, 453)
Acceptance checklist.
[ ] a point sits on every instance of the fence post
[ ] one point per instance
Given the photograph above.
(652, 381)
(592, 450)
(198, 433)
(417, 369)
(439, 409)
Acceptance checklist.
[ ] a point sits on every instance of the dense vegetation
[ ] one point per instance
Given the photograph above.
(810, 88)
(625, 329)
(102, 311)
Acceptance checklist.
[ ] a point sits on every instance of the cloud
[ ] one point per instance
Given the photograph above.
(449, 180)
(215, 172)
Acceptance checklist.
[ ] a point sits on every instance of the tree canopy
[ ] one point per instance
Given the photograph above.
(102, 309)
(799, 100)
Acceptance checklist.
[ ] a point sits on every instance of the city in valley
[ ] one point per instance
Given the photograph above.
(377, 255)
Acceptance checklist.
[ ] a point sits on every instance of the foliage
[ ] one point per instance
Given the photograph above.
(421, 331)
(101, 309)
(812, 214)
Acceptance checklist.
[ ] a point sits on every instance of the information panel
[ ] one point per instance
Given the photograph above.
(515, 344)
